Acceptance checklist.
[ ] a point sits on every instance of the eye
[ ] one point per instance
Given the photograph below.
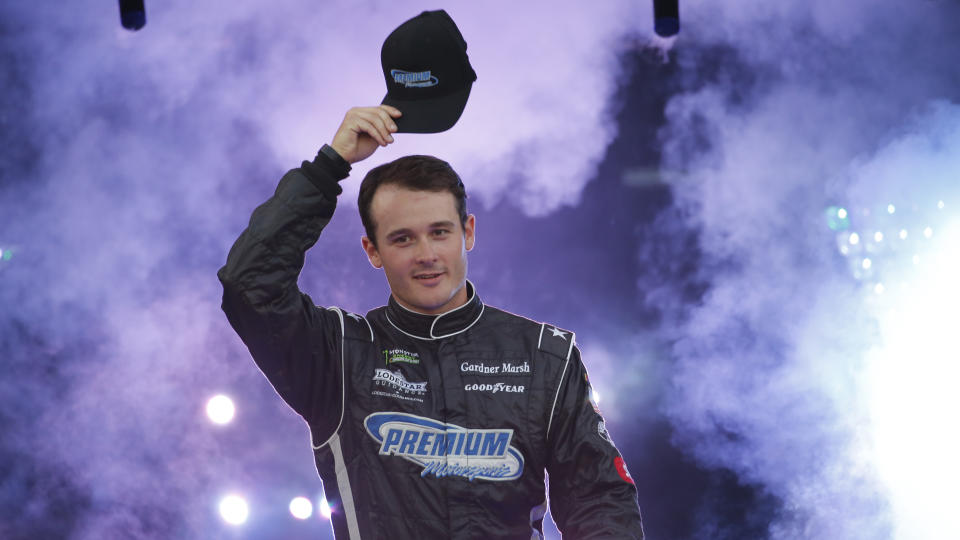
(402, 239)
(441, 232)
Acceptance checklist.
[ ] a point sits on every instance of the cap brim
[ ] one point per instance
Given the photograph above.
(429, 115)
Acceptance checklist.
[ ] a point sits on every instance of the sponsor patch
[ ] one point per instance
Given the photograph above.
(602, 431)
(398, 386)
(446, 449)
(495, 368)
(622, 469)
(392, 356)
(494, 388)
(414, 79)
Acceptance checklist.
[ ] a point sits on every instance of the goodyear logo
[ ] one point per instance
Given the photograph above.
(446, 449)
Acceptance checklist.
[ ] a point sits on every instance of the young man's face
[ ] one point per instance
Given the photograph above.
(421, 247)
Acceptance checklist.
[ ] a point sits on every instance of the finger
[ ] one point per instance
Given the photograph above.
(365, 126)
(387, 120)
(381, 121)
(394, 112)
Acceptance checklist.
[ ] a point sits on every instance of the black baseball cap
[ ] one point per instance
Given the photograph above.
(427, 72)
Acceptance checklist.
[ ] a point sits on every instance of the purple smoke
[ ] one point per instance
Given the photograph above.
(665, 199)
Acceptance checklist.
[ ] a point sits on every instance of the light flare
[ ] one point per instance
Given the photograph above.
(912, 394)
(234, 509)
(220, 409)
(301, 508)
(325, 509)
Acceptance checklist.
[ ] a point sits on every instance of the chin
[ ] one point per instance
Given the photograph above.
(428, 301)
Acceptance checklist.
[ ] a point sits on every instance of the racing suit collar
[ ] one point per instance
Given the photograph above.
(445, 324)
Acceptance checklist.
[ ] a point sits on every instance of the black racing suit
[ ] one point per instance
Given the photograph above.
(424, 426)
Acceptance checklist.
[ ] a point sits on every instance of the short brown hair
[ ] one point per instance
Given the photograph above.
(418, 173)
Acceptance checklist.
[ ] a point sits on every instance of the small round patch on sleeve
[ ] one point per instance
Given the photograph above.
(622, 469)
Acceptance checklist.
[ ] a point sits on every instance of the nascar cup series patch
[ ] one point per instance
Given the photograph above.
(446, 449)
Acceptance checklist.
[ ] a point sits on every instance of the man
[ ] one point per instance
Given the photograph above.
(434, 416)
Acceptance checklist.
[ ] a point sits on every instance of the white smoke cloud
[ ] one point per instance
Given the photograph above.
(821, 105)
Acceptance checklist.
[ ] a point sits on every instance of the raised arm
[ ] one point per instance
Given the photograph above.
(295, 343)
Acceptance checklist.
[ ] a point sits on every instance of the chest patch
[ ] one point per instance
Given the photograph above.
(446, 449)
(394, 384)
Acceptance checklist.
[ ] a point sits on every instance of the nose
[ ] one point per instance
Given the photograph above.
(426, 254)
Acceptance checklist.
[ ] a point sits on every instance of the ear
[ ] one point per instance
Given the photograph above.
(372, 254)
(470, 232)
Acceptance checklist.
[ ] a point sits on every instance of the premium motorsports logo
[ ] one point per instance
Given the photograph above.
(414, 79)
(446, 449)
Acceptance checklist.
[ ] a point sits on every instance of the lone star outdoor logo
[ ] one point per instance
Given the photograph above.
(402, 388)
(446, 449)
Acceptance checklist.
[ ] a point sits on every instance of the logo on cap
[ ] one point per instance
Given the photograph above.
(414, 79)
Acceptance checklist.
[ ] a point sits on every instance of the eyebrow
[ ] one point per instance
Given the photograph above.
(434, 225)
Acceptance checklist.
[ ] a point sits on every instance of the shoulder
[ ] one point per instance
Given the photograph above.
(353, 325)
(547, 337)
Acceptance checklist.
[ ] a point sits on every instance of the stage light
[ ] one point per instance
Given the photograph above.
(666, 17)
(301, 508)
(928, 232)
(879, 288)
(903, 234)
(325, 510)
(910, 379)
(837, 218)
(595, 395)
(234, 509)
(939, 205)
(220, 409)
(133, 15)
(878, 236)
(916, 259)
(854, 238)
(891, 208)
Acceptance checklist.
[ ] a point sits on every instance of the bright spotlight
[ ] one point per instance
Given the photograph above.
(928, 232)
(301, 507)
(940, 205)
(234, 509)
(879, 288)
(220, 409)
(854, 238)
(903, 234)
(891, 208)
(911, 387)
(842, 213)
(325, 508)
(867, 263)
(878, 236)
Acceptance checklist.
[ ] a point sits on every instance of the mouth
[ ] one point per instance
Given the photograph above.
(428, 276)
